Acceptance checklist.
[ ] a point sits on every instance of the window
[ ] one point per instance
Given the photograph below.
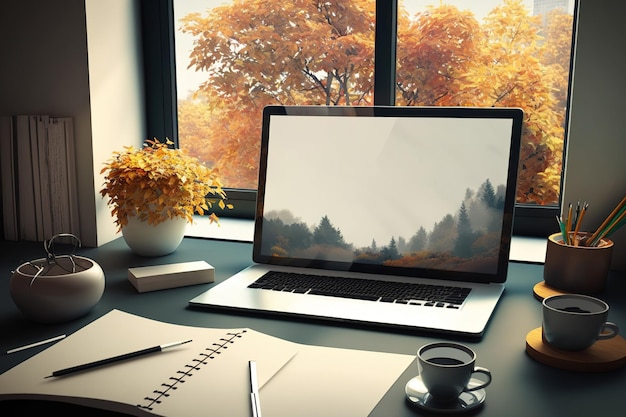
(235, 56)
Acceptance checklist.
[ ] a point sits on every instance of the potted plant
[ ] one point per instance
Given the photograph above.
(155, 191)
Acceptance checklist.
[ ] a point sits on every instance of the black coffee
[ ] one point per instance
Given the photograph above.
(574, 310)
(445, 361)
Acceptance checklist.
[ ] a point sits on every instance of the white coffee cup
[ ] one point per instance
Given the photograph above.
(446, 369)
(575, 322)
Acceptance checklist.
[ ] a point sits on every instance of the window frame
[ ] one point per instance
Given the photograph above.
(157, 17)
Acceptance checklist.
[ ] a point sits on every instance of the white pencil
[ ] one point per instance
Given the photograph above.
(43, 342)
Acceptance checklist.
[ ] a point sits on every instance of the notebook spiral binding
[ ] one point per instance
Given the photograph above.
(166, 388)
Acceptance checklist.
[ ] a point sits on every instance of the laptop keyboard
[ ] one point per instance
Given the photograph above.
(364, 289)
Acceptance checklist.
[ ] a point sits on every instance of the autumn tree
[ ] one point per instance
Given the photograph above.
(273, 233)
(488, 194)
(443, 234)
(418, 241)
(401, 244)
(446, 58)
(465, 235)
(390, 252)
(257, 53)
(299, 235)
(326, 234)
(557, 54)
(510, 74)
(193, 124)
(435, 51)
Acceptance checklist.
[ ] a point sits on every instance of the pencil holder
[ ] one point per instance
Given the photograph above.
(577, 269)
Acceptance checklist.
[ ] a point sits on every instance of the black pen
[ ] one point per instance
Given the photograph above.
(118, 358)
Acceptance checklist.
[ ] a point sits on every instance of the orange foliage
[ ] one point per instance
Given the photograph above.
(157, 183)
(257, 53)
(435, 51)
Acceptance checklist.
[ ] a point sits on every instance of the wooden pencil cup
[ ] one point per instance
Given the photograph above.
(577, 269)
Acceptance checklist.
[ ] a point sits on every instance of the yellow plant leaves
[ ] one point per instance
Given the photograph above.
(148, 183)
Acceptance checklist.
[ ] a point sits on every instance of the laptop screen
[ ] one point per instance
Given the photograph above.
(411, 191)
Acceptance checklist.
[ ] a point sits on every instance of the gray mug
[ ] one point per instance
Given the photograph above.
(446, 369)
(575, 322)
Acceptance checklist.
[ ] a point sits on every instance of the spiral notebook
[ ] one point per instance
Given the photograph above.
(207, 377)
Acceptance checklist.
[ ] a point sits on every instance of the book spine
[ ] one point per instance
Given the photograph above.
(44, 176)
(57, 174)
(25, 181)
(62, 176)
(7, 166)
(34, 154)
(70, 166)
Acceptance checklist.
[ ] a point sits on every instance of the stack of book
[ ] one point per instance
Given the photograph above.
(38, 177)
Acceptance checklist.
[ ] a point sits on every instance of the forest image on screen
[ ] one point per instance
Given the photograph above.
(404, 192)
(467, 240)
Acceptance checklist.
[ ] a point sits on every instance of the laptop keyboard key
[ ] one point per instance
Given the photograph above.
(364, 289)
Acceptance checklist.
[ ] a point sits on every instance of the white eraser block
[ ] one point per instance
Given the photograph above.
(160, 277)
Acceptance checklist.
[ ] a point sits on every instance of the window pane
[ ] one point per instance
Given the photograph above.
(235, 57)
(513, 53)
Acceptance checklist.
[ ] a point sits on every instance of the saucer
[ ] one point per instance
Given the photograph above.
(418, 396)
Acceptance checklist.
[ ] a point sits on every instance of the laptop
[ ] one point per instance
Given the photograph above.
(413, 205)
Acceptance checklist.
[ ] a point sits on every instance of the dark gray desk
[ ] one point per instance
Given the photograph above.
(521, 386)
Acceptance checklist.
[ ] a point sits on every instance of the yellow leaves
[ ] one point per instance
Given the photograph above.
(158, 182)
(303, 52)
(213, 218)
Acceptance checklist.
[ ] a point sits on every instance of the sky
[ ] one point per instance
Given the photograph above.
(189, 83)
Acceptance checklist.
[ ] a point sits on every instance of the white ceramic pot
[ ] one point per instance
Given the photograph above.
(57, 294)
(147, 239)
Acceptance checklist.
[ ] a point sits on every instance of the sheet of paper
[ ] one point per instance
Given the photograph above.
(330, 382)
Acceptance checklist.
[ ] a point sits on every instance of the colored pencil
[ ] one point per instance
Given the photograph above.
(568, 225)
(579, 219)
(594, 239)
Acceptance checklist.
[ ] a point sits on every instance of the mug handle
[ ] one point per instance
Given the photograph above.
(609, 330)
(480, 370)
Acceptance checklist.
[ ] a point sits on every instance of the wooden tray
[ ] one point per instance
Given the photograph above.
(542, 290)
(604, 355)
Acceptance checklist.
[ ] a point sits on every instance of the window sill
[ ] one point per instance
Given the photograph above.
(528, 249)
(230, 228)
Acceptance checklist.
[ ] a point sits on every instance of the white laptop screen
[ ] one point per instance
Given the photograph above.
(411, 191)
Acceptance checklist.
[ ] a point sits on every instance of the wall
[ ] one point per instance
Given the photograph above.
(596, 156)
(116, 91)
(47, 69)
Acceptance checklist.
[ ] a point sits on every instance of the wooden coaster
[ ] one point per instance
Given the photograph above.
(542, 290)
(604, 355)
